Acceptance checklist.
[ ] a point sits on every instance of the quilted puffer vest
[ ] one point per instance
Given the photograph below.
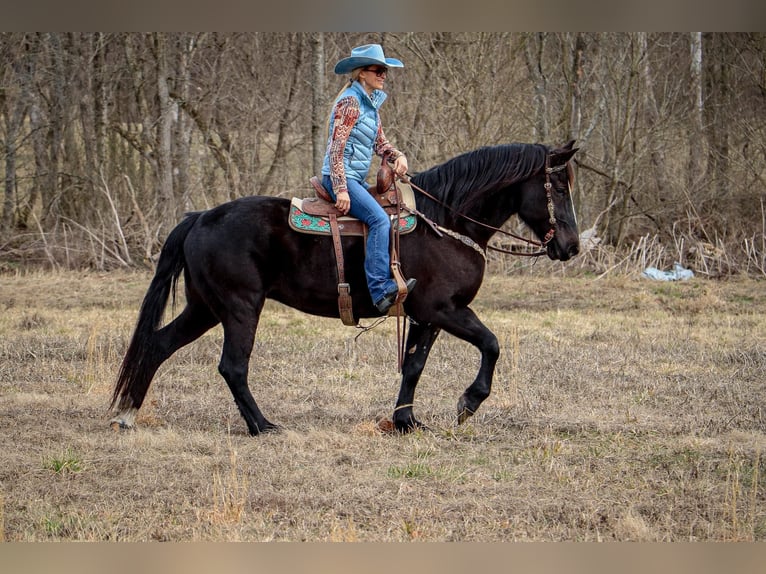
(357, 155)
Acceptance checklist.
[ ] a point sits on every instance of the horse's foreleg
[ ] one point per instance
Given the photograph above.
(467, 326)
(419, 342)
(149, 354)
(237, 346)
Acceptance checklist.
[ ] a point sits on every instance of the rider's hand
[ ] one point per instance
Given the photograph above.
(343, 202)
(400, 165)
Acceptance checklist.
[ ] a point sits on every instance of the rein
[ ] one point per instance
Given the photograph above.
(471, 243)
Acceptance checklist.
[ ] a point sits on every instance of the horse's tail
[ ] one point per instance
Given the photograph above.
(140, 361)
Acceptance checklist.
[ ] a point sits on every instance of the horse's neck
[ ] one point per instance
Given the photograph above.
(481, 219)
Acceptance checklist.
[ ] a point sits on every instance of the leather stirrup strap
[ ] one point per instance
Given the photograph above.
(401, 285)
(396, 267)
(344, 295)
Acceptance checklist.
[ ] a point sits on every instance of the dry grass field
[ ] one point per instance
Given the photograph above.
(623, 409)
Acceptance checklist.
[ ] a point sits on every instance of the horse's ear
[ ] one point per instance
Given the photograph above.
(563, 154)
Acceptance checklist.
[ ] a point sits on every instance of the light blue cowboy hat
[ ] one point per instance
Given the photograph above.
(366, 55)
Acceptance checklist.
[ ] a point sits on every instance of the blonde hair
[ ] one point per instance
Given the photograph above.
(354, 77)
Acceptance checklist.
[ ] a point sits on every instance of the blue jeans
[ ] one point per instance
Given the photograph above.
(377, 259)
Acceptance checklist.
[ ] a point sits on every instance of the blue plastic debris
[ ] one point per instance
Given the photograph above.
(679, 273)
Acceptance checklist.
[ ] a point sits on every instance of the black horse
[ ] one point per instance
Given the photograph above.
(240, 253)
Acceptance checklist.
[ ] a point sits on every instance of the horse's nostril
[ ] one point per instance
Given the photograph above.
(574, 250)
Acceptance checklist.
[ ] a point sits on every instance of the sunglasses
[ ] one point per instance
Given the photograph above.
(378, 71)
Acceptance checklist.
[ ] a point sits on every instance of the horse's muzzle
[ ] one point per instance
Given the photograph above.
(563, 253)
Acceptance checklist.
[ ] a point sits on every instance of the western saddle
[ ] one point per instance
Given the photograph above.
(390, 199)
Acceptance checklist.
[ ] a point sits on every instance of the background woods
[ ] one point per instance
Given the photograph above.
(106, 139)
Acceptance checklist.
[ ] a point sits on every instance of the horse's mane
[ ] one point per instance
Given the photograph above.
(467, 179)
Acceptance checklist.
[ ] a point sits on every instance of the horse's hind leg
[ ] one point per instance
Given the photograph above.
(239, 334)
(194, 321)
(419, 342)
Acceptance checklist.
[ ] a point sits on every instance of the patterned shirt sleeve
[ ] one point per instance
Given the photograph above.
(346, 113)
(383, 146)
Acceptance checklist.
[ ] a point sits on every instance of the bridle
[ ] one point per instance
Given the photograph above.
(549, 194)
(471, 243)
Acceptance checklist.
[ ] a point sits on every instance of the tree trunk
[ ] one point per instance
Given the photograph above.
(280, 150)
(184, 124)
(695, 172)
(87, 50)
(575, 99)
(716, 107)
(657, 153)
(36, 130)
(50, 187)
(100, 99)
(575, 95)
(534, 50)
(14, 115)
(12, 109)
(164, 135)
(318, 111)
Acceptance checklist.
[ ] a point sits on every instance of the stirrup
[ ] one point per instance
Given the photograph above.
(395, 296)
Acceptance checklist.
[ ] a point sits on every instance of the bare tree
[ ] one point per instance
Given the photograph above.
(12, 111)
(163, 147)
(652, 115)
(318, 112)
(696, 120)
(716, 105)
(575, 89)
(287, 115)
(183, 125)
(534, 54)
(112, 135)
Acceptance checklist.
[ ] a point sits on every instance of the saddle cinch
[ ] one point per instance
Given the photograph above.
(318, 215)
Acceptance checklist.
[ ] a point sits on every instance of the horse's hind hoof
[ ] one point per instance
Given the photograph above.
(125, 420)
(120, 426)
(268, 428)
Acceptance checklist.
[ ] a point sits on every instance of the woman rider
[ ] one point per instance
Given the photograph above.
(355, 134)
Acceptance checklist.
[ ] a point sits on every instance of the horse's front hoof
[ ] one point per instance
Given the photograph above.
(463, 412)
(409, 425)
